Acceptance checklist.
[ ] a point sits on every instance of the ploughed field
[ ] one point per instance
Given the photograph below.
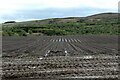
(80, 56)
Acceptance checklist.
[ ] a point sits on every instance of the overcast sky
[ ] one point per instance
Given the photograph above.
(25, 10)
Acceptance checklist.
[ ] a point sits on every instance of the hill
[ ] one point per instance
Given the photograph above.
(104, 23)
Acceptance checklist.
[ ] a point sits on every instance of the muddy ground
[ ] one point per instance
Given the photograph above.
(82, 57)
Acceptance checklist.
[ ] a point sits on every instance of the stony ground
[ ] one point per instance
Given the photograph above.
(81, 57)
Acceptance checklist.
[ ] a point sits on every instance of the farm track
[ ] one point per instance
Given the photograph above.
(83, 57)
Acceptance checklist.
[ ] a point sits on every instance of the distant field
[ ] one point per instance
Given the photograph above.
(82, 56)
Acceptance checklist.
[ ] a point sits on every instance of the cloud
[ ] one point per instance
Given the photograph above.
(19, 8)
(42, 4)
(24, 15)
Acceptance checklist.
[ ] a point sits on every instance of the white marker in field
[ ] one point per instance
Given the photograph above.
(79, 40)
(53, 40)
(66, 40)
(88, 57)
(59, 40)
(62, 40)
(75, 40)
(56, 40)
(66, 53)
(69, 41)
(72, 40)
(41, 58)
(47, 53)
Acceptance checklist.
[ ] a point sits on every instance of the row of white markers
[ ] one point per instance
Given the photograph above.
(65, 40)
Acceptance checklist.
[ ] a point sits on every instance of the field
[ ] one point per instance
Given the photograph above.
(82, 56)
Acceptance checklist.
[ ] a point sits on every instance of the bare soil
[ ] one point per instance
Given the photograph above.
(79, 57)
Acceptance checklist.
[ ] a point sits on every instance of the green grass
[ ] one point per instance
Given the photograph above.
(106, 23)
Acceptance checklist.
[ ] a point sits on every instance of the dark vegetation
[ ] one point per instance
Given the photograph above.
(105, 23)
(10, 22)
